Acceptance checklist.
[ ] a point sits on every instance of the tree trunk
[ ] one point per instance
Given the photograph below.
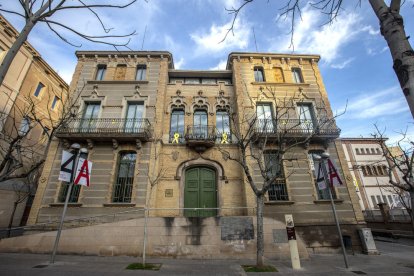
(392, 28)
(12, 218)
(12, 52)
(411, 208)
(260, 237)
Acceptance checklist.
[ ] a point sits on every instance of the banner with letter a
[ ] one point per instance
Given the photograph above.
(334, 178)
(83, 172)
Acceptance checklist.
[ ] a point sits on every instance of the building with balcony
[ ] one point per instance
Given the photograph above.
(370, 172)
(162, 138)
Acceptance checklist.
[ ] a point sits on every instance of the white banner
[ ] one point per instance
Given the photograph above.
(83, 172)
(66, 166)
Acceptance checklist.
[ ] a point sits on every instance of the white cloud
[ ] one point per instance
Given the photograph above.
(327, 41)
(343, 64)
(212, 41)
(179, 64)
(375, 104)
(220, 66)
(374, 52)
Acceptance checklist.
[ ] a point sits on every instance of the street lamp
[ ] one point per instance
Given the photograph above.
(77, 150)
(323, 158)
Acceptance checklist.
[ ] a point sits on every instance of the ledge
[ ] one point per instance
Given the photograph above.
(119, 205)
(327, 201)
(62, 204)
(280, 83)
(281, 202)
(117, 82)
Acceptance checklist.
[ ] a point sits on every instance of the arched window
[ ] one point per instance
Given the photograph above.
(200, 122)
(177, 126)
(223, 126)
(125, 177)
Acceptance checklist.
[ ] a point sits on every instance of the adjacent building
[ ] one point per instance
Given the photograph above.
(370, 172)
(31, 99)
(165, 139)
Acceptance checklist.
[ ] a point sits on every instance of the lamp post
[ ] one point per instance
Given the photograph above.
(322, 162)
(77, 150)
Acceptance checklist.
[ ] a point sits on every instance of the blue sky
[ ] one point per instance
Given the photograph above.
(356, 65)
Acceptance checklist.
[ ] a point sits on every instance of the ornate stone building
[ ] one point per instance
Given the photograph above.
(165, 139)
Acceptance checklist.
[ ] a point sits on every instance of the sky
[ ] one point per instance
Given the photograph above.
(355, 63)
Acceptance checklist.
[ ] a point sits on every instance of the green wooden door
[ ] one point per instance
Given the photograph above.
(200, 192)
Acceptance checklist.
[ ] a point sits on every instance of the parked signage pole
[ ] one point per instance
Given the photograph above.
(77, 151)
(325, 157)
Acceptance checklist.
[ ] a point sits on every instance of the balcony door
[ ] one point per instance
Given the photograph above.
(200, 124)
(306, 118)
(90, 116)
(265, 117)
(133, 122)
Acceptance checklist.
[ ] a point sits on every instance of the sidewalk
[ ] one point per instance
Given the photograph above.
(395, 258)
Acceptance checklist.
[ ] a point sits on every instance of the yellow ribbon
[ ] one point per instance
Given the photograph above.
(224, 139)
(176, 136)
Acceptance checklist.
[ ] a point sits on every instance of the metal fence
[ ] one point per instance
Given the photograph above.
(395, 215)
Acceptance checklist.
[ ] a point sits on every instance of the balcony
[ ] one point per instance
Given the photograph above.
(295, 128)
(106, 129)
(201, 137)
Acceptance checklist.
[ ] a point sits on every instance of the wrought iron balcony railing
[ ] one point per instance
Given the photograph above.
(102, 128)
(295, 127)
(201, 133)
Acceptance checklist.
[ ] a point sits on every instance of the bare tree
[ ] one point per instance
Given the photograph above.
(392, 29)
(34, 12)
(265, 144)
(401, 160)
(25, 141)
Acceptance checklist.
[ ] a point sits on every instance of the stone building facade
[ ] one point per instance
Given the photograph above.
(156, 137)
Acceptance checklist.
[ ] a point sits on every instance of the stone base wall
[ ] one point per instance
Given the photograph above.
(219, 237)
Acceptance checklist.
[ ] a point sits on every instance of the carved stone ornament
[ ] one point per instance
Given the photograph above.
(200, 102)
(90, 143)
(175, 155)
(139, 144)
(222, 102)
(115, 144)
(66, 143)
(177, 102)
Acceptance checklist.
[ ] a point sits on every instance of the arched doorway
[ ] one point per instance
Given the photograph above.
(200, 191)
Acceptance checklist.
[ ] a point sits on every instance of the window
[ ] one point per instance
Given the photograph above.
(367, 150)
(55, 102)
(141, 72)
(177, 126)
(192, 81)
(297, 75)
(74, 194)
(264, 112)
(39, 89)
(120, 72)
(258, 74)
(200, 124)
(208, 81)
(374, 170)
(372, 151)
(378, 151)
(133, 121)
(379, 169)
(306, 117)
(362, 151)
(274, 170)
(357, 151)
(125, 177)
(24, 126)
(223, 126)
(90, 115)
(100, 73)
(364, 170)
(374, 202)
(369, 171)
(314, 166)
